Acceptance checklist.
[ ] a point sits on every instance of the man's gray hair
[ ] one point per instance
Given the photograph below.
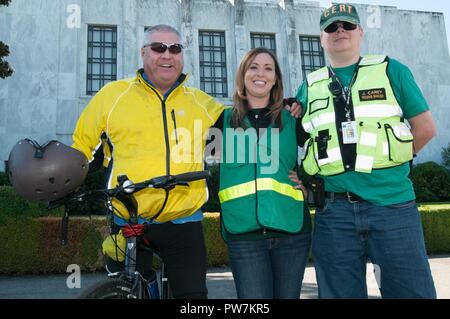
(159, 27)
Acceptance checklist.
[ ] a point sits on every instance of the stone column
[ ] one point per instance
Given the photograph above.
(187, 35)
(240, 31)
(129, 43)
(292, 78)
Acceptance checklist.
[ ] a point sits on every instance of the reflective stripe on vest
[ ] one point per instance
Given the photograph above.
(264, 184)
(383, 139)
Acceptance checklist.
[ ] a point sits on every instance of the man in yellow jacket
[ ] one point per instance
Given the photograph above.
(152, 125)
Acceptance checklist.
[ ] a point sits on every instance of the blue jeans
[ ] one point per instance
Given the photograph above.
(269, 268)
(347, 234)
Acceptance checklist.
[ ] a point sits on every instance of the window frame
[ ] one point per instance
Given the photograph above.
(311, 53)
(106, 32)
(262, 37)
(209, 68)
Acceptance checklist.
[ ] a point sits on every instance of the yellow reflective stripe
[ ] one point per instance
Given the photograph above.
(237, 191)
(269, 184)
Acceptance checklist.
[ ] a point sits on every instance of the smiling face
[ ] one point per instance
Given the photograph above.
(162, 69)
(342, 44)
(259, 79)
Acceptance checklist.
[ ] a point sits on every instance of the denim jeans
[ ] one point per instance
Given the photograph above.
(269, 268)
(347, 234)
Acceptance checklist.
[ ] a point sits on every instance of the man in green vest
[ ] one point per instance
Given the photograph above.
(361, 147)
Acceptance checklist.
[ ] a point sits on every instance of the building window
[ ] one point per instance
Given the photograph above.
(213, 64)
(312, 54)
(101, 57)
(263, 40)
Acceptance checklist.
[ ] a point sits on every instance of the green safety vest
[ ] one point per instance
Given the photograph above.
(383, 139)
(255, 192)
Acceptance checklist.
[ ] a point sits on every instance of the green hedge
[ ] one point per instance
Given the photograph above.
(32, 245)
(14, 206)
(436, 226)
(4, 180)
(431, 182)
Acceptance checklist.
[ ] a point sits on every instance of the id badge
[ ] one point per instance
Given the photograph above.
(349, 133)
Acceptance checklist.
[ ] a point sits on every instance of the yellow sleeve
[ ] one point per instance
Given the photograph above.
(212, 108)
(90, 126)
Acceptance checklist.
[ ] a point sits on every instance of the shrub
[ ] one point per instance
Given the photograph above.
(19, 240)
(33, 246)
(431, 182)
(216, 248)
(436, 228)
(12, 205)
(4, 180)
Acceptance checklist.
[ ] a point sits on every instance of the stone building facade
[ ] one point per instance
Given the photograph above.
(63, 51)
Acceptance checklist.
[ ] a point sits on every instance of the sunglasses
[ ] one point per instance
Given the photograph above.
(335, 26)
(161, 47)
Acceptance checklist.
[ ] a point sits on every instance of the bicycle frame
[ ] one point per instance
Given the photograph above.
(123, 192)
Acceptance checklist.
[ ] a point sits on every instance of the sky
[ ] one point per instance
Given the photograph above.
(423, 5)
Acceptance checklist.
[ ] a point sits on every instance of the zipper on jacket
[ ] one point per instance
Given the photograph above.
(257, 119)
(166, 132)
(164, 114)
(256, 170)
(166, 136)
(174, 125)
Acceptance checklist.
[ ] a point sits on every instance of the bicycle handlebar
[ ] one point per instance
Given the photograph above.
(166, 182)
(125, 188)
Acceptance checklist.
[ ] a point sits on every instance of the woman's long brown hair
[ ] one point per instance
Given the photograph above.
(241, 107)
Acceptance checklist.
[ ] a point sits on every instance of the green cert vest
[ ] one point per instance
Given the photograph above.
(384, 140)
(255, 191)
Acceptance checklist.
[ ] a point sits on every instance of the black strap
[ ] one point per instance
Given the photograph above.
(40, 149)
(322, 143)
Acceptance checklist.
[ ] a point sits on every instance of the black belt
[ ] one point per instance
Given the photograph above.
(351, 197)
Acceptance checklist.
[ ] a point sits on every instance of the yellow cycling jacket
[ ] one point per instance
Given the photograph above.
(149, 136)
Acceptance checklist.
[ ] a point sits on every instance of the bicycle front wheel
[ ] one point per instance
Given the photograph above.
(109, 289)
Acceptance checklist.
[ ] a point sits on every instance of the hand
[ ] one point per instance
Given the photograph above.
(293, 177)
(293, 106)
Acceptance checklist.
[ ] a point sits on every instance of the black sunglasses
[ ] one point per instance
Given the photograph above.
(161, 47)
(335, 26)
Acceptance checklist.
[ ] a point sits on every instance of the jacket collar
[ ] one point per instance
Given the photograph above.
(143, 79)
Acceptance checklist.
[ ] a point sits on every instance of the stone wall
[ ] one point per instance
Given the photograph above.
(48, 43)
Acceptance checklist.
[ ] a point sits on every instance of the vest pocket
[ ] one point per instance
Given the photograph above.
(400, 142)
(318, 105)
(309, 161)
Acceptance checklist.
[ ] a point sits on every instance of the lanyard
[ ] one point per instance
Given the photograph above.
(346, 91)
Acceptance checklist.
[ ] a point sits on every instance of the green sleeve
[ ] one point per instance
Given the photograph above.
(406, 90)
(302, 96)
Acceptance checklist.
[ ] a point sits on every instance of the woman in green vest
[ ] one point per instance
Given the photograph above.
(264, 220)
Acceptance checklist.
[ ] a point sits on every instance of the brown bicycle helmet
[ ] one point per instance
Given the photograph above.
(48, 172)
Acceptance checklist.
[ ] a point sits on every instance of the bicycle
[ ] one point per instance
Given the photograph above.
(128, 283)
